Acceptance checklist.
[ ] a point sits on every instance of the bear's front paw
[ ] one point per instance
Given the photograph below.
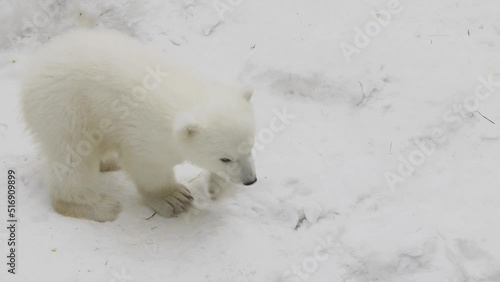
(216, 185)
(108, 165)
(171, 202)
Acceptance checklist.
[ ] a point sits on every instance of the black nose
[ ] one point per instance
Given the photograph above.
(250, 182)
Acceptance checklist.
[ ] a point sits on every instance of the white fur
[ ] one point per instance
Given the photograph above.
(82, 91)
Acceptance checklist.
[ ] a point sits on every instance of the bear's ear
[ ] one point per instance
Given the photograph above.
(247, 93)
(185, 125)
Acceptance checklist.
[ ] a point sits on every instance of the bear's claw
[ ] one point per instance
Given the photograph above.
(171, 202)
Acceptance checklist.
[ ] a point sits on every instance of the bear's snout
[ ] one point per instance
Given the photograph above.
(248, 183)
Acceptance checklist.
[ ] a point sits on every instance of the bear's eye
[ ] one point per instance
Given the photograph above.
(225, 160)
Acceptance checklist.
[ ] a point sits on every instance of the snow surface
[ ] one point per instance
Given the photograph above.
(322, 209)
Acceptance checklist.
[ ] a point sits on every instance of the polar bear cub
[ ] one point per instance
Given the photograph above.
(90, 93)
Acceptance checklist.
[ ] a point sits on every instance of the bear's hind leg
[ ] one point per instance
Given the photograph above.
(75, 192)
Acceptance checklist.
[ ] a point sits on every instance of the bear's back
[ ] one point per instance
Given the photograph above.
(98, 55)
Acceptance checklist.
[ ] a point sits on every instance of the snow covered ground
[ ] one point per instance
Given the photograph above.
(384, 168)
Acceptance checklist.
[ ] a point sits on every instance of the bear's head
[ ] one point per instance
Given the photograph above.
(220, 137)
